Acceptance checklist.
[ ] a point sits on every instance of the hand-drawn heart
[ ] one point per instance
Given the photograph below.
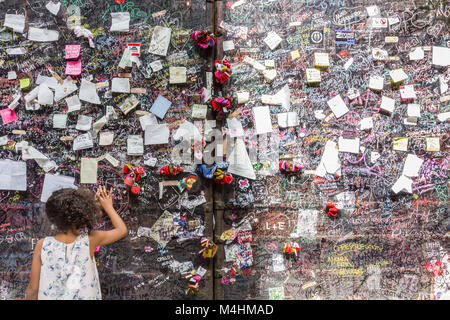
(180, 38)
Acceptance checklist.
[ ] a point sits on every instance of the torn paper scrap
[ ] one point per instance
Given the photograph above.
(263, 123)
(42, 35)
(120, 21)
(88, 171)
(156, 134)
(13, 175)
(53, 8)
(65, 89)
(330, 162)
(160, 41)
(402, 184)
(88, 92)
(73, 103)
(45, 95)
(239, 161)
(235, 128)
(412, 166)
(15, 22)
(54, 183)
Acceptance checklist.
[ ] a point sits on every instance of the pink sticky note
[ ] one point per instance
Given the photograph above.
(72, 51)
(8, 115)
(73, 68)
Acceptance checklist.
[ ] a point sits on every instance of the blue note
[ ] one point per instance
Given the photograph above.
(160, 107)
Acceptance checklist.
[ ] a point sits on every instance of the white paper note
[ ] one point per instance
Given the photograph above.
(42, 35)
(263, 123)
(45, 95)
(106, 138)
(121, 85)
(160, 41)
(53, 8)
(15, 22)
(441, 56)
(156, 134)
(147, 120)
(412, 166)
(84, 123)
(73, 103)
(13, 175)
(235, 128)
(65, 89)
(402, 184)
(348, 145)
(83, 141)
(272, 40)
(135, 145)
(287, 119)
(337, 106)
(53, 183)
(120, 21)
(88, 92)
(239, 161)
(88, 171)
(417, 54)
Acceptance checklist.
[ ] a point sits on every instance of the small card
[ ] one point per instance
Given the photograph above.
(121, 85)
(321, 60)
(13, 175)
(263, 123)
(313, 75)
(416, 54)
(398, 75)
(272, 40)
(441, 56)
(88, 172)
(84, 123)
(73, 51)
(379, 22)
(156, 134)
(73, 103)
(59, 120)
(106, 138)
(160, 107)
(337, 106)
(407, 92)
(413, 112)
(135, 49)
(199, 111)
(228, 45)
(379, 54)
(177, 75)
(242, 97)
(135, 145)
(156, 65)
(114, 162)
(366, 123)
(88, 92)
(412, 166)
(15, 22)
(12, 75)
(348, 145)
(376, 83)
(400, 144)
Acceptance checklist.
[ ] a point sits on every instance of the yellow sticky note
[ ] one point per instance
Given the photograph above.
(25, 83)
(295, 54)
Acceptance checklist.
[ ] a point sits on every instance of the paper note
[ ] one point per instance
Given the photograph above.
(387, 105)
(3, 140)
(114, 162)
(379, 54)
(65, 89)
(272, 40)
(407, 92)
(433, 144)
(73, 103)
(376, 83)
(120, 21)
(287, 119)
(263, 123)
(199, 111)
(306, 224)
(125, 61)
(84, 123)
(400, 144)
(12, 75)
(441, 56)
(59, 121)
(53, 8)
(13, 175)
(135, 145)
(228, 45)
(379, 22)
(88, 92)
(242, 97)
(73, 51)
(45, 95)
(398, 75)
(329, 162)
(100, 123)
(13, 105)
(129, 104)
(53, 183)
(156, 65)
(412, 166)
(337, 106)
(413, 112)
(177, 75)
(16, 51)
(160, 41)
(8, 116)
(402, 184)
(42, 35)
(106, 138)
(50, 82)
(312, 75)
(15, 22)
(366, 123)
(348, 145)
(164, 229)
(160, 107)
(121, 85)
(235, 128)
(25, 83)
(73, 68)
(373, 11)
(321, 59)
(147, 120)
(239, 161)
(88, 172)
(83, 141)
(416, 54)
(295, 55)
(156, 134)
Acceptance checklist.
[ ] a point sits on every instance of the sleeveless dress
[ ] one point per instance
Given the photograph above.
(67, 271)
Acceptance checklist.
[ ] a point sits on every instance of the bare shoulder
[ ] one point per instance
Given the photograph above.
(38, 246)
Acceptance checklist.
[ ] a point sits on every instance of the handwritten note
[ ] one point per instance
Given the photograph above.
(73, 51)
(88, 172)
(160, 41)
(8, 116)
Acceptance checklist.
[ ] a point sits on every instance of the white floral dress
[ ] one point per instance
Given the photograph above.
(67, 271)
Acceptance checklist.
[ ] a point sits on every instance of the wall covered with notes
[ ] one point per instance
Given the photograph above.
(327, 122)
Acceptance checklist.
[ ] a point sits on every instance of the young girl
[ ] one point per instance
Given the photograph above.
(63, 266)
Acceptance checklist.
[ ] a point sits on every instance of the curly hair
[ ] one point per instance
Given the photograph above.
(71, 209)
